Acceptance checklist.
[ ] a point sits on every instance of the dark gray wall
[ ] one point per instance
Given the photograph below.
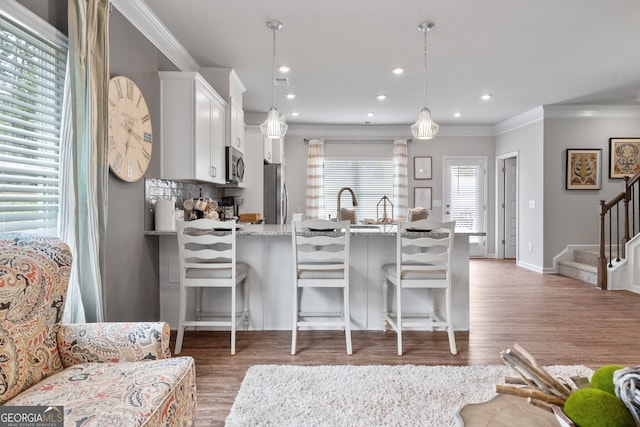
(131, 289)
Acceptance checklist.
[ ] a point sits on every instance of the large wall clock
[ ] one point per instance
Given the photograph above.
(130, 134)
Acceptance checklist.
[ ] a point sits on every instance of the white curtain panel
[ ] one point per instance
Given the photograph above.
(89, 77)
(400, 179)
(315, 179)
(73, 309)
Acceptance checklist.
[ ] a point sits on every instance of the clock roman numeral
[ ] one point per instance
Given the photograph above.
(119, 89)
(145, 118)
(118, 162)
(129, 170)
(140, 168)
(112, 143)
(147, 137)
(146, 153)
(130, 90)
(139, 99)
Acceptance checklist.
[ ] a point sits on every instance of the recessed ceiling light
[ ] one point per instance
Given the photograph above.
(382, 97)
(398, 70)
(291, 95)
(284, 69)
(486, 97)
(457, 114)
(295, 113)
(371, 114)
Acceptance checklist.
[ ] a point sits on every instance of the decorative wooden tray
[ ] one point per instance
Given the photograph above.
(505, 410)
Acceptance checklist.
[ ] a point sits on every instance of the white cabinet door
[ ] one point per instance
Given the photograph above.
(193, 123)
(239, 125)
(218, 125)
(273, 150)
(268, 149)
(204, 170)
(236, 125)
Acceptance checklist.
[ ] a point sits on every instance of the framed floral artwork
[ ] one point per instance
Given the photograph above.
(624, 157)
(422, 167)
(422, 197)
(584, 169)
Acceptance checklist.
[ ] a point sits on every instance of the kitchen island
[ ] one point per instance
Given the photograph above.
(267, 250)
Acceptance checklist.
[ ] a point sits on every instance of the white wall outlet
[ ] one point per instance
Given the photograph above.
(530, 246)
(532, 204)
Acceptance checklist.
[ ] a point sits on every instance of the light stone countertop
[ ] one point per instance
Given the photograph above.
(285, 230)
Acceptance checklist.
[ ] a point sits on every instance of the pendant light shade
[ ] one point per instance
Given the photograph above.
(274, 126)
(425, 127)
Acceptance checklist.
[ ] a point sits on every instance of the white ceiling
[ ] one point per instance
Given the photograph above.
(526, 53)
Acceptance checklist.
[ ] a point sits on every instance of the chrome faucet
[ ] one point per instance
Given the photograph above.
(353, 200)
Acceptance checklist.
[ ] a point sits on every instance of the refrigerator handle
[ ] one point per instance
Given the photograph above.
(285, 204)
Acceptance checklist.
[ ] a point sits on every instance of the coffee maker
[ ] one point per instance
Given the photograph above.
(230, 207)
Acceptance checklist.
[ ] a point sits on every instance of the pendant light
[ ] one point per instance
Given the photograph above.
(274, 126)
(424, 127)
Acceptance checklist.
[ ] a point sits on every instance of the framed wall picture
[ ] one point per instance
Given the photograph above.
(422, 167)
(422, 197)
(624, 157)
(584, 169)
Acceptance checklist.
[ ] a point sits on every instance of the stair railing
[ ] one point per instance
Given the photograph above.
(611, 235)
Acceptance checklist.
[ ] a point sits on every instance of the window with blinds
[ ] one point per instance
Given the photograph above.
(32, 71)
(465, 192)
(369, 179)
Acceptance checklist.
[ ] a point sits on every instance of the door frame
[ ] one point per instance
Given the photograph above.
(500, 210)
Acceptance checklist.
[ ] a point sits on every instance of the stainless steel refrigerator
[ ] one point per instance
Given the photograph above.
(275, 195)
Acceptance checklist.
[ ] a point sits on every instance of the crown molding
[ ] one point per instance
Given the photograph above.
(591, 111)
(376, 131)
(143, 18)
(515, 122)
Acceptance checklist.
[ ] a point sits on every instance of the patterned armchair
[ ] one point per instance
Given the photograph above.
(115, 374)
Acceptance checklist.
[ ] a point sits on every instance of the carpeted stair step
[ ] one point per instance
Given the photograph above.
(589, 257)
(578, 270)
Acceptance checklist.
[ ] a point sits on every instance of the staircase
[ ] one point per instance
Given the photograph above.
(583, 266)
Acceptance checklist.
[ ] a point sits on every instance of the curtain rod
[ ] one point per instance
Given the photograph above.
(356, 141)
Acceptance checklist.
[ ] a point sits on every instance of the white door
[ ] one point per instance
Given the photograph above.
(465, 198)
(510, 207)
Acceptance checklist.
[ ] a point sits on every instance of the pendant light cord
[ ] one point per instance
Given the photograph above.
(425, 67)
(273, 69)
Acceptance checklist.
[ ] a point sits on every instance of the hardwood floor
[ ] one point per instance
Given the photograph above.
(558, 319)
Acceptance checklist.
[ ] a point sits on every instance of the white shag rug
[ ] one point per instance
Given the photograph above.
(406, 395)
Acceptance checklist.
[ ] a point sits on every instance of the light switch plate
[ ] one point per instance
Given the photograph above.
(532, 204)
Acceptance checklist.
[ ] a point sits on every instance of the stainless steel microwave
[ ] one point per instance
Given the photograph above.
(235, 165)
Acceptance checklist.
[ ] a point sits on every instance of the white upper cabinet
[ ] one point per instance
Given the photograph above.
(227, 83)
(193, 128)
(272, 147)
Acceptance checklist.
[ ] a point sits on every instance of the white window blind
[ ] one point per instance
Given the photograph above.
(32, 70)
(369, 179)
(466, 192)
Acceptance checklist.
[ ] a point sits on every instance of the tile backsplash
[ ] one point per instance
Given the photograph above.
(176, 191)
